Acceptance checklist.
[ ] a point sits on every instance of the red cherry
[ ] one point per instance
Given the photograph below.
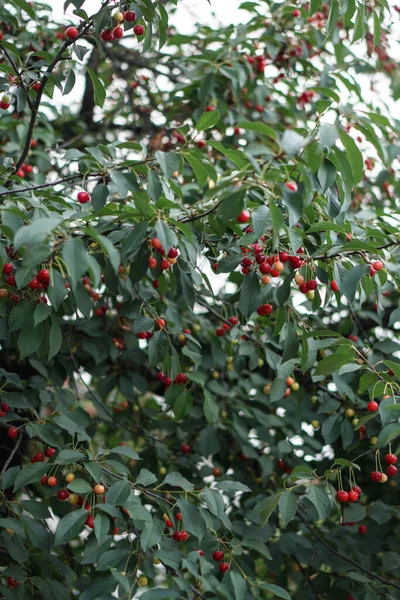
(264, 310)
(152, 263)
(44, 277)
(71, 33)
(180, 378)
(233, 320)
(8, 268)
(12, 433)
(180, 536)
(356, 489)
(334, 286)
(244, 217)
(216, 472)
(311, 284)
(376, 476)
(138, 30)
(296, 13)
(218, 555)
(107, 35)
(5, 407)
(156, 283)
(377, 265)
(265, 268)
(362, 529)
(118, 32)
(90, 521)
(372, 271)
(223, 567)
(169, 523)
(353, 496)
(155, 243)
(160, 323)
(178, 516)
(185, 449)
(36, 86)
(220, 332)
(391, 459)
(62, 495)
(83, 197)
(165, 265)
(11, 281)
(52, 481)
(200, 552)
(210, 108)
(43, 480)
(391, 470)
(130, 16)
(201, 143)
(283, 257)
(49, 452)
(167, 382)
(373, 406)
(39, 456)
(342, 496)
(291, 185)
(173, 253)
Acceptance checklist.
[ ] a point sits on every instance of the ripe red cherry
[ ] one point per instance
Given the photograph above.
(223, 567)
(201, 144)
(62, 495)
(172, 253)
(283, 256)
(36, 86)
(11, 281)
(180, 536)
(138, 30)
(130, 16)
(265, 268)
(376, 476)
(185, 448)
(210, 108)
(377, 265)
(218, 555)
(373, 406)
(233, 320)
(165, 265)
(296, 13)
(52, 481)
(391, 470)
(362, 529)
(155, 243)
(264, 310)
(311, 284)
(12, 433)
(90, 521)
(178, 516)
(353, 496)
(356, 489)
(152, 263)
(391, 459)
(334, 286)
(244, 217)
(181, 378)
(169, 523)
(44, 277)
(160, 323)
(118, 32)
(43, 480)
(107, 35)
(71, 33)
(49, 452)
(342, 496)
(216, 472)
(83, 197)
(291, 185)
(220, 332)
(8, 269)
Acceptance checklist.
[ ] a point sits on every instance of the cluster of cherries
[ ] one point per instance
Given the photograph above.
(182, 536)
(166, 262)
(391, 470)
(109, 35)
(12, 583)
(38, 283)
(180, 379)
(4, 409)
(352, 496)
(220, 331)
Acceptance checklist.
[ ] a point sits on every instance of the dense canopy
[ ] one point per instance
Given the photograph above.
(199, 320)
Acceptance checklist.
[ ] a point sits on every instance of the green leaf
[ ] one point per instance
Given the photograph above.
(318, 496)
(232, 486)
(36, 233)
(175, 479)
(192, 519)
(101, 526)
(259, 128)
(30, 474)
(126, 451)
(232, 205)
(333, 362)
(292, 142)
(145, 478)
(328, 135)
(249, 295)
(158, 347)
(80, 486)
(351, 280)
(276, 589)
(55, 339)
(199, 169)
(287, 506)
(207, 119)
(25, 6)
(210, 408)
(260, 219)
(100, 93)
(264, 509)
(118, 493)
(70, 526)
(68, 457)
(75, 257)
(354, 155)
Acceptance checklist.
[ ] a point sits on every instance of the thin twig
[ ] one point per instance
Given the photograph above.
(307, 579)
(13, 453)
(19, 76)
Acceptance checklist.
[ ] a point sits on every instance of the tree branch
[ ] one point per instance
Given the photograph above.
(355, 564)
(13, 453)
(18, 74)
